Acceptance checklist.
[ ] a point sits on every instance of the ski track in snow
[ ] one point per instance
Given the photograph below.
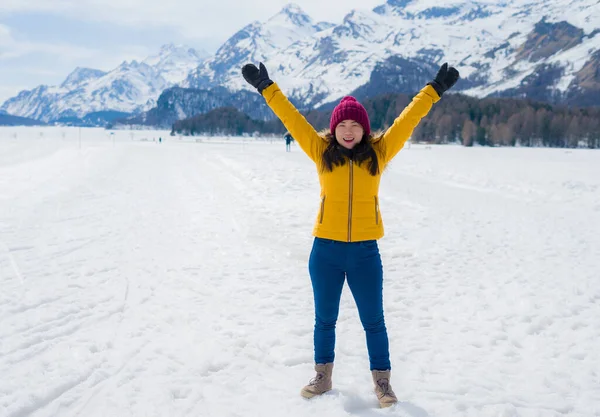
(171, 280)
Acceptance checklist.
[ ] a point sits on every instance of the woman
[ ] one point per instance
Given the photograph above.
(349, 161)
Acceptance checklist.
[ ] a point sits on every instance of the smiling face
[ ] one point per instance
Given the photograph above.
(349, 133)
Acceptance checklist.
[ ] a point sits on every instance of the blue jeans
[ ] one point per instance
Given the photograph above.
(330, 263)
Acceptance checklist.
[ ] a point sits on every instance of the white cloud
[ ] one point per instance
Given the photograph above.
(14, 49)
(68, 54)
(5, 36)
(11, 48)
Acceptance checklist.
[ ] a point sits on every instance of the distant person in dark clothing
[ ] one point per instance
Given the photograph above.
(288, 141)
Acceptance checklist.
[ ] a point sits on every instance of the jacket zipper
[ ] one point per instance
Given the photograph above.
(376, 210)
(322, 209)
(350, 203)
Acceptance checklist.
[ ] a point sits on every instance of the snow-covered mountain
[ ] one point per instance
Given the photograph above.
(131, 87)
(546, 50)
(255, 42)
(217, 81)
(180, 103)
(80, 76)
(174, 63)
(527, 48)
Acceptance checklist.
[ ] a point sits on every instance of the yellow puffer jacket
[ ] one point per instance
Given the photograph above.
(349, 209)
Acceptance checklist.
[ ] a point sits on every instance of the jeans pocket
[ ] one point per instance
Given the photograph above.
(323, 241)
(368, 244)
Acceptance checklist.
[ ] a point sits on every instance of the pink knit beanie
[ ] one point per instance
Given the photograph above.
(349, 108)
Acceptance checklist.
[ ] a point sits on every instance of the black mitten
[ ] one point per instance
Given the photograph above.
(445, 79)
(258, 78)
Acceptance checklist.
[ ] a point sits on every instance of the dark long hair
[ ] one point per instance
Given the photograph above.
(336, 155)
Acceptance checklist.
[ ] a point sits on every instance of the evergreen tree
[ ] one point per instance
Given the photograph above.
(455, 118)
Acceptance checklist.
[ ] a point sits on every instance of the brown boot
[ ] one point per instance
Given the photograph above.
(321, 383)
(383, 389)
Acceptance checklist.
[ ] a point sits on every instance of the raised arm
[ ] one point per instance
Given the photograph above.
(396, 136)
(292, 119)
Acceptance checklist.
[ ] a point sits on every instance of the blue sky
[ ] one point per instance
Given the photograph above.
(42, 41)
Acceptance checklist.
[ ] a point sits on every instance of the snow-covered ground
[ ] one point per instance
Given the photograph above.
(147, 279)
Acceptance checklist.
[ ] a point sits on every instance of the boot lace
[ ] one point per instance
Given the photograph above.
(384, 385)
(317, 379)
